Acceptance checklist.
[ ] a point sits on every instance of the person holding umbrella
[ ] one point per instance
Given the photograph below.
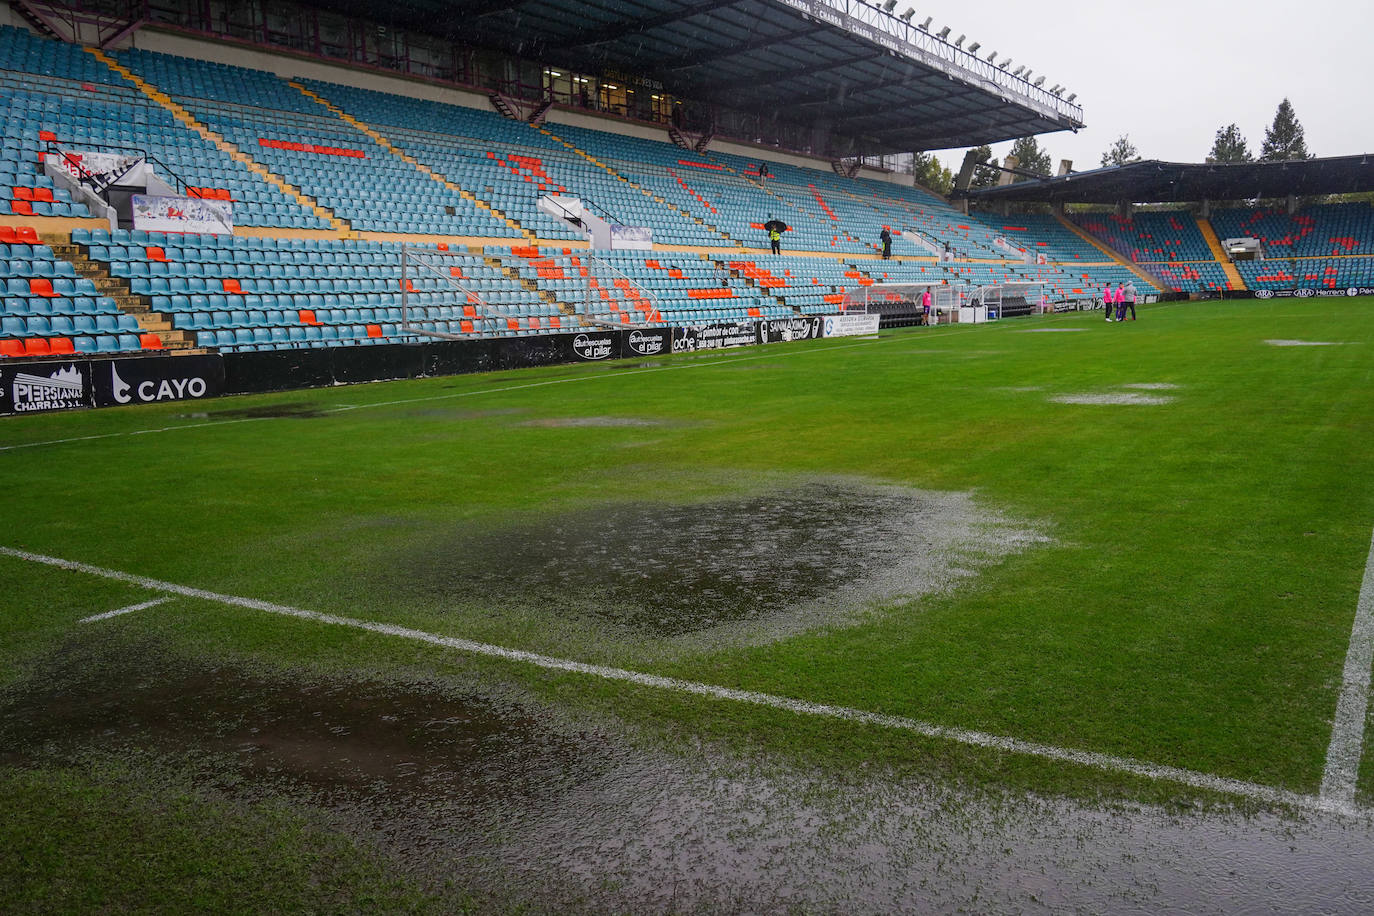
(775, 228)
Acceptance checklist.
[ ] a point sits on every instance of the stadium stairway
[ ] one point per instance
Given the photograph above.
(1115, 258)
(659, 200)
(401, 154)
(568, 311)
(1233, 277)
(181, 114)
(129, 303)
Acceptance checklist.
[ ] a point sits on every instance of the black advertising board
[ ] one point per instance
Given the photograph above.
(42, 387)
(784, 330)
(689, 339)
(647, 342)
(593, 346)
(149, 380)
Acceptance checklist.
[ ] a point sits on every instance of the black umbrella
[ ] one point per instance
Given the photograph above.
(775, 224)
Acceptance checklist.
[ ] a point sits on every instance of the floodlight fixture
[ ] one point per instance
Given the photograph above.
(910, 11)
(959, 42)
(944, 33)
(1038, 83)
(1019, 70)
(1073, 96)
(973, 48)
(992, 58)
(889, 6)
(1005, 64)
(925, 26)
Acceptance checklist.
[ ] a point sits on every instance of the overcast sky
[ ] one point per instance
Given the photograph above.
(1170, 72)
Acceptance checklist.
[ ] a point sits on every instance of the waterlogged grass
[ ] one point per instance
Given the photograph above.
(1192, 607)
(78, 842)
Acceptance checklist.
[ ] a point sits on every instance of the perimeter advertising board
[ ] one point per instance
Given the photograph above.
(850, 325)
(147, 381)
(43, 387)
(690, 338)
(1305, 292)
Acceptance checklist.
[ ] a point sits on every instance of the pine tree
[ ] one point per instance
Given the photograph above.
(1031, 157)
(1284, 139)
(984, 176)
(1123, 151)
(1229, 146)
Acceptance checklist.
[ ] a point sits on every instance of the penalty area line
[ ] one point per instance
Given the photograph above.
(1103, 762)
(1352, 707)
(125, 610)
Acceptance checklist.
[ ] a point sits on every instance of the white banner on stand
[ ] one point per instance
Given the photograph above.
(850, 325)
(183, 214)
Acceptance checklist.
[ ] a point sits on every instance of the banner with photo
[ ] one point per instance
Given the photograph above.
(633, 238)
(101, 168)
(183, 214)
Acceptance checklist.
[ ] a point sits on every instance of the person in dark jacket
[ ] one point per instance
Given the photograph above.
(887, 243)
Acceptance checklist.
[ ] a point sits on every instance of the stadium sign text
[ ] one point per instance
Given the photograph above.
(1304, 292)
(145, 381)
(40, 387)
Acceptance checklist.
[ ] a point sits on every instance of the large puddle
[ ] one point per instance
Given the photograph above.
(767, 562)
(529, 811)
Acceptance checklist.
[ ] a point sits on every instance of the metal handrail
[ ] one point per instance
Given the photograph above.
(643, 293)
(86, 177)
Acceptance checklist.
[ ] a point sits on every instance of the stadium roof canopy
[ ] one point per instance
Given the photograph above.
(1153, 181)
(844, 66)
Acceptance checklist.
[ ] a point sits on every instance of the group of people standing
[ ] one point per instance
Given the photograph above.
(1116, 301)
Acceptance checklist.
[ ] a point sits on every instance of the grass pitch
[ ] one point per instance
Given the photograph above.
(1199, 494)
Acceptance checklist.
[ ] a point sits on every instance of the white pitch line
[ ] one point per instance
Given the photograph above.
(1347, 731)
(1104, 762)
(125, 610)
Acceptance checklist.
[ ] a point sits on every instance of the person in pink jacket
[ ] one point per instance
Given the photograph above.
(1108, 301)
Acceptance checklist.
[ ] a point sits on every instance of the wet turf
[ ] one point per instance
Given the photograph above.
(668, 569)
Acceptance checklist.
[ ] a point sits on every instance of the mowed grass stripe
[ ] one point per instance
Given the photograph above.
(1105, 762)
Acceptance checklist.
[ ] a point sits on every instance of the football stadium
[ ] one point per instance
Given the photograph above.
(548, 457)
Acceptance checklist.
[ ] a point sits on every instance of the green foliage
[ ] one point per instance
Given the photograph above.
(984, 176)
(1284, 139)
(929, 173)
(1031, 157)
(1122, 152)
(1229, 146)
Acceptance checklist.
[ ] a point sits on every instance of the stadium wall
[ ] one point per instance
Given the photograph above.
(7, 16)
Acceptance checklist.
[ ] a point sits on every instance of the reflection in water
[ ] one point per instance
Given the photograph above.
(527, 809)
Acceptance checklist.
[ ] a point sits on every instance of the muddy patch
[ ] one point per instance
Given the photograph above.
(292, 411)
(1305, 343)
(1134, 398)
(750, 567)
(458, 413)
(593, 422)
(525, 814)
(328, 739)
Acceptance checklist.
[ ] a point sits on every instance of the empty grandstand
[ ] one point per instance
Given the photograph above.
(531, 214)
